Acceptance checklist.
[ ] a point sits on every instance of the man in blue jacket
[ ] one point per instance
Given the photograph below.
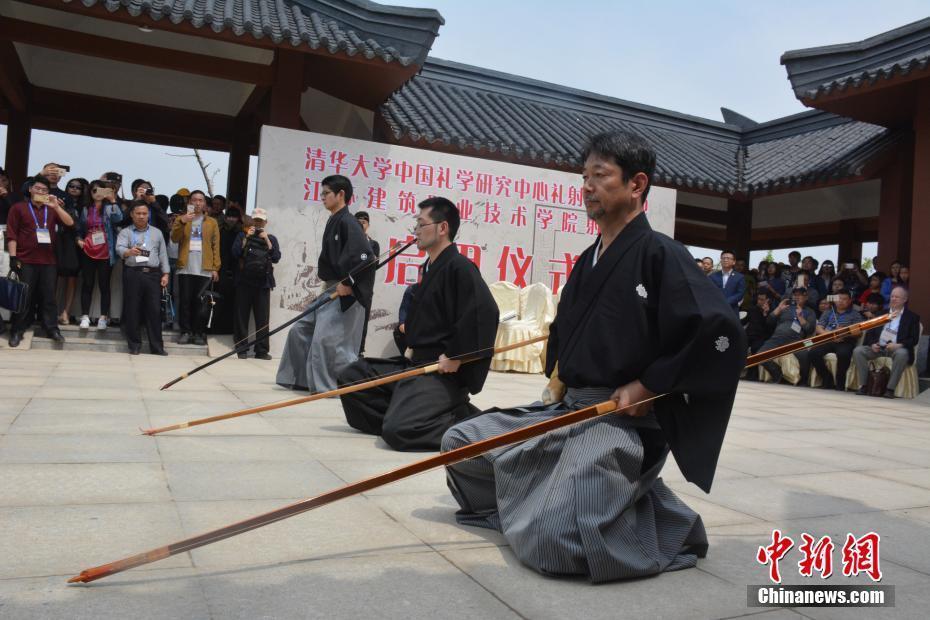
(729, 280)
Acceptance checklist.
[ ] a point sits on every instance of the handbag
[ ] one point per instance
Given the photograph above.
(208, 300)
(13, 294)
(878, 380)
(167, 307)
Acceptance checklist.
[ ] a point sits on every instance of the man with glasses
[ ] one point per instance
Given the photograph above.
(31, 232)
(323, 343)
(451, 314)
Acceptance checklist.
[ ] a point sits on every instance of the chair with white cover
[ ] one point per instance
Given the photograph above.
(536, 313)
(908, 386)
(790, 369)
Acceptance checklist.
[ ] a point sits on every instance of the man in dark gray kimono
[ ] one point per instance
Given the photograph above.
(321, 345)
(636, 319)
(452, 313)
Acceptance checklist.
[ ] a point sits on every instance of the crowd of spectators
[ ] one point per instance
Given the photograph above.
(779, 304)
(170, 250)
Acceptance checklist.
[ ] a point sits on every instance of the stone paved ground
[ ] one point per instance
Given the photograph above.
(79, 487)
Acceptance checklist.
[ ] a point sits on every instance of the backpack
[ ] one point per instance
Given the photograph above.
(256, 261)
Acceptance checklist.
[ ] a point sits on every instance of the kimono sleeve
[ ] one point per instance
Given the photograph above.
(475, 314)
(701, 344)
(356, 249)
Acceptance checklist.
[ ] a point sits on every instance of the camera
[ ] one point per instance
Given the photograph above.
(149, 192)
(832, 298)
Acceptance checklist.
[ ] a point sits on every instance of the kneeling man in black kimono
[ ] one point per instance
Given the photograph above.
(635, 319)
(451, 313)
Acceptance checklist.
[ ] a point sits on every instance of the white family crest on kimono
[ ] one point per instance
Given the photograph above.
(722, 344)
(641, 291)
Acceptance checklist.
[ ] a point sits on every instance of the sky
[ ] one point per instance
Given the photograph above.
(690, 57)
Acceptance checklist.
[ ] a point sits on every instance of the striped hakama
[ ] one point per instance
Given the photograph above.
(583, 500)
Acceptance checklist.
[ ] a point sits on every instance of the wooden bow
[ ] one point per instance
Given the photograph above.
(440, 460)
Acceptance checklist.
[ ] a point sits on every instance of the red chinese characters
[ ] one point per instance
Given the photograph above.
(338, 161)
(514, 265)
(471, 252)
(376, 198)
(466, 208)
(316, 159)
(817, 556)
(543, 218)
(406, 202)
(518, 216)
(773, 553)
(492, 213)
(465, 179)
(403, 270)
(403, 171)
(565, 266)
(860, 555)
(361, 166)
(569, 222)
(311, 189)
(383, 166)
(424, 175)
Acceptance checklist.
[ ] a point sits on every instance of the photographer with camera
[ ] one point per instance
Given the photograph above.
(792, 320)
(198, 239)
(31, 228)
(256, 251)
(840, 314)
(96, 237)
(854, 278)
(896, 340)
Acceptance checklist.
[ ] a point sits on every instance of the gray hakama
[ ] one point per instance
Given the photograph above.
(320, 346)
(584, 500)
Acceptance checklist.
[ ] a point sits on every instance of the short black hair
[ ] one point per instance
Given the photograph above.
(363, 215)
(844, 291)
(443, 210)
(730, 252)
(176, 204)
(814, 261)
(793, 253)
(627, 150)
(197, 191)
(875, 298)
(135, 185)
(39, 179)
(707, 258)
(220, 197)
(338, 183)
(137, 203)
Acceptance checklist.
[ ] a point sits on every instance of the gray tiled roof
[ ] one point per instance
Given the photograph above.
(819, 71)
(350, 27)
(477, 111)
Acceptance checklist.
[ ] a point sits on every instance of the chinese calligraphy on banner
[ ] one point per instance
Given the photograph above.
(520, 224)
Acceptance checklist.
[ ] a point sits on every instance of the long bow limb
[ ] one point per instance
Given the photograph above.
(325, 297)
(349, 388)
(440, 460)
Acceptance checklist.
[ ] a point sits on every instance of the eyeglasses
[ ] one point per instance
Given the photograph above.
(325, 193)
(39, 190)
(418, 226)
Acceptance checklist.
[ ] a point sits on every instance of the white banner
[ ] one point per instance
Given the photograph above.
(520, 224)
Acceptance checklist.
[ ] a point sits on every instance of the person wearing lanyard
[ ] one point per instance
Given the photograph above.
(31, 232)
(145, 274)
(198, 240)
(896, 340)
(97, 241)
(842, 314)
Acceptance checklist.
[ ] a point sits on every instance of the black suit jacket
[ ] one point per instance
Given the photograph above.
(908, 333)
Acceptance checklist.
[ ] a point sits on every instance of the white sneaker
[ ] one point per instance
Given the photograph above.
(102, 324)
(85, 322)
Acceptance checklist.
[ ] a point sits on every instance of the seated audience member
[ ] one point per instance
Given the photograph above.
(729, 281)
(842, 314)
(854, 279)
(896, 340)
(892, 280)
(875, 286)
(145, 273)
(822, 306)
(826, 274)
(874, 306)
(837, 285)
(792, 320)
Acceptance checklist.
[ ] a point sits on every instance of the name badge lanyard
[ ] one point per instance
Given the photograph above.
(95, 224)
(145, 243)
(42, 234)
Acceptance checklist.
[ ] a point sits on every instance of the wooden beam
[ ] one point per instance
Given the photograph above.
(125, 120)
(13, 81)
(18, 138)
(739, 227)
(253, 104)
(701, 214)
(287, 88)
(806, 235)
(96, 46)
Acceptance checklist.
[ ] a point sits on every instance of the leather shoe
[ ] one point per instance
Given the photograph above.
(200, 339)
(242, 356)
(262, 356)
(15, 339)
(184, 338)
(56, 336)
(889, 394)
(159, 352)
(861, 391)
(133, 350)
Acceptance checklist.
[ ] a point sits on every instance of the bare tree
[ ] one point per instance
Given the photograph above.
(208, 176)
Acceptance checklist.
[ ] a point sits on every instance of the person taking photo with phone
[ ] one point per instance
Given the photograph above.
(31, 228)
(198, 239)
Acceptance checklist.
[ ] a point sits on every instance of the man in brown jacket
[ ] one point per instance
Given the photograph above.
(198, 239)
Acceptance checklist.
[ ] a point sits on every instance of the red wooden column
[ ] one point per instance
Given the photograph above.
(849, 242)
(287, 88)
(18, 138)
(739, 227)
(894, 216)
(237, 178)
(920, 209)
